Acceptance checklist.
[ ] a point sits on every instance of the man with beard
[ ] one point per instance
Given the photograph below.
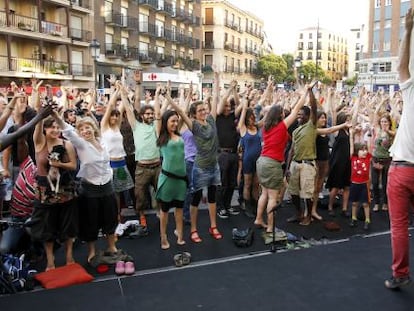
(147, 153)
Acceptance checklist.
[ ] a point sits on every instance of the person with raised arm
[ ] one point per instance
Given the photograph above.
(269, 165)
(206, 171)
(400, 187)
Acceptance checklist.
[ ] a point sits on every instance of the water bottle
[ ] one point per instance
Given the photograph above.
(9, 189)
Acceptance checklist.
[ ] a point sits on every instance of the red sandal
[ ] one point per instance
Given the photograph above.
(194, 237)
(215, 233)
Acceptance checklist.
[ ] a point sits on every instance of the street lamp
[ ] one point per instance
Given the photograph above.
(298, 64)
(95, 47)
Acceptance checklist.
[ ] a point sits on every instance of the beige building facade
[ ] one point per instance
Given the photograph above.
(48, 40)
(326, 49)
(232, 40)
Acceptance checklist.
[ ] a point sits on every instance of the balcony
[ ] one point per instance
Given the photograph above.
(80, 35)
(165, 60)
(208, 45)
(85, 4)
(29, 65)
(165, 8)
(145, 58)
(147, 29)
(151, 4)
(131, 23)
(82, 70)
(228, 68)
(180, 14)
(113, 50)
(114, 19)
(129, 53)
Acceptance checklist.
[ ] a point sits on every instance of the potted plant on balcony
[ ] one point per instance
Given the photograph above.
(24, 26)
(26, 66)
(59, 69)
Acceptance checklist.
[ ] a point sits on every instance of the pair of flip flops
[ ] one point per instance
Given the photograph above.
(182, 259)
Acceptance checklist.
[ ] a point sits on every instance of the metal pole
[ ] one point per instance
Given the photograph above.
(316, 56)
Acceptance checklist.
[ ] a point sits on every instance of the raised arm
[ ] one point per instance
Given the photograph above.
(241, 125)
(299, 104)
(404, 69)
(10, 138)
(224, 100)
(180, 111)
(111, 106)
(216, 94)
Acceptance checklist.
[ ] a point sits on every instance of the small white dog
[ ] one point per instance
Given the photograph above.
(53, 175)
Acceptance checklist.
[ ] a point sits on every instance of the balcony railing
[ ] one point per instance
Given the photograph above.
(80, 35)
(81, 3)
(47, 67)
(208, 45)
(114, 18)
(149, 3)
(82, 70)
(129, 53)
(113, 50)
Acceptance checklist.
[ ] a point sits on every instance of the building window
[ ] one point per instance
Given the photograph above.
(301, 36)
(388, 2)
(387, 23)
(377, 25)
(208, 60)
(310, 35)
(377, 4)
(143, 23)
(387, 46)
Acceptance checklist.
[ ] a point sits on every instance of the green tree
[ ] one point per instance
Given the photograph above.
(290, 73)
(273, 65)
(308, 72)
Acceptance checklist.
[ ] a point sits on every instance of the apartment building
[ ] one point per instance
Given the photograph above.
(378, 66)
(46, 39)
(326, 49)
(159, 36)
(232, 41)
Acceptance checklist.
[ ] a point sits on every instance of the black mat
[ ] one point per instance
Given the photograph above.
(342, 276)
(148, 255)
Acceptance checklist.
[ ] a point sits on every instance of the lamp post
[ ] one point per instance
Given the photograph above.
(95, 47)
(298, 64)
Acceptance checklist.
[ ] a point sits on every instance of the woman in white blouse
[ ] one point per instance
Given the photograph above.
(97, 203)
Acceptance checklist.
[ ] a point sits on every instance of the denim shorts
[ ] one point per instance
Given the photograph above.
(204, 177)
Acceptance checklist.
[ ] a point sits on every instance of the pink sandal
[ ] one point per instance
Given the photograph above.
(129, 268)
(120, 267)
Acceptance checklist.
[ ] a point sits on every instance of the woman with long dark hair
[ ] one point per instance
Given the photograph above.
(206, 172)
(172, 181)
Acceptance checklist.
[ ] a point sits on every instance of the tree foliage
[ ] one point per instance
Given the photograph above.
(273, 65)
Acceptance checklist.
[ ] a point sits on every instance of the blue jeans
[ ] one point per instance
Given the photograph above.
(12, 236)
(189, 195)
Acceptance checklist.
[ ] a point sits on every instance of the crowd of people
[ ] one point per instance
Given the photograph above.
(74, 171)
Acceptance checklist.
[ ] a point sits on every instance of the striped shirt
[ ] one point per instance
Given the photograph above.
(23, 194)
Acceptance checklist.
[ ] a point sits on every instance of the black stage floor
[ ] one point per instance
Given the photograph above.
(342, 270)
(345, 275)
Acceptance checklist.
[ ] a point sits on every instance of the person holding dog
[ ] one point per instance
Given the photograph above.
(55, 191)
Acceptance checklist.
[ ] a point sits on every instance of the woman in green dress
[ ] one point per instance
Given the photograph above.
(172, 182)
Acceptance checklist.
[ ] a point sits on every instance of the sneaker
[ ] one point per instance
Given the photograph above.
(393, 282)
(222, 213)
(233, 211)
(353, 223)
(366, 226)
